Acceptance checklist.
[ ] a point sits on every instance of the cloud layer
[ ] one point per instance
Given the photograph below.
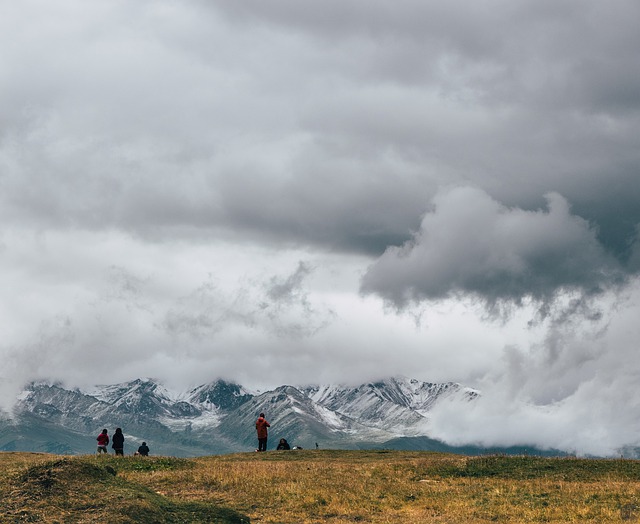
(573, 391)
(242, 189)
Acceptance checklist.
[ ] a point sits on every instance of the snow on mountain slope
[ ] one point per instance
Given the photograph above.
(221, 415)
(395, 404)
(144, 396)
(303, 422)
(176, 410)
(219, 394)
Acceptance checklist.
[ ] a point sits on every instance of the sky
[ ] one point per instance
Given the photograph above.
(292, 192)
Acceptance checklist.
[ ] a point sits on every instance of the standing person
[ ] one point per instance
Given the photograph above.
(261, 428)
(118, 442)
(103, 441)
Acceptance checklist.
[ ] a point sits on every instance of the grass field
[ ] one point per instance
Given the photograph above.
(318, 486)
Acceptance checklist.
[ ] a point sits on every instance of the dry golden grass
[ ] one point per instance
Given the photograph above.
(304, 487)
(86, 490)
(396, 487)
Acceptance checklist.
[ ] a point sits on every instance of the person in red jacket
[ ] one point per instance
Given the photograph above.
(261, 428)
(103, 440)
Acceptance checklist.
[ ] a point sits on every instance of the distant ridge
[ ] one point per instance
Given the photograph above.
(219, 417)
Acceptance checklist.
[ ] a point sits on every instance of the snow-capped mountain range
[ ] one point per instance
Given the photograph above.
(219, 417)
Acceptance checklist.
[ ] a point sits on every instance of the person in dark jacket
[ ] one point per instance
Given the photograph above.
(261, 429)
(283, 444)
(103, 442)
(143, 450)
(118, 442)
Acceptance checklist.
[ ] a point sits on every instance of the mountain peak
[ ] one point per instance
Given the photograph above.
(220, 416)
(222, 394)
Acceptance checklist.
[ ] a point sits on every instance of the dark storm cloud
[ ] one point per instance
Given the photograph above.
(240, 119)
(528, 97)
(471, 244)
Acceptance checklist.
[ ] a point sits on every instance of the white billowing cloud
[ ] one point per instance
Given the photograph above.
(101, 309)
(471, 244)
(573, 391)
(83, 307)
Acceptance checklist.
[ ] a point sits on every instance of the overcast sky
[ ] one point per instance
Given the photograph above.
(285, 192)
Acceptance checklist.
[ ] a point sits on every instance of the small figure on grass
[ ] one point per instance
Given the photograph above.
(103, 442)
(143, 450)
(283, 444)
(118, 442)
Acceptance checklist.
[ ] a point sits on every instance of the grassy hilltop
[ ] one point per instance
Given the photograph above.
(317, 486)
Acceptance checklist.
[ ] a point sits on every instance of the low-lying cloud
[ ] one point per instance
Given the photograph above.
(574, 391)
